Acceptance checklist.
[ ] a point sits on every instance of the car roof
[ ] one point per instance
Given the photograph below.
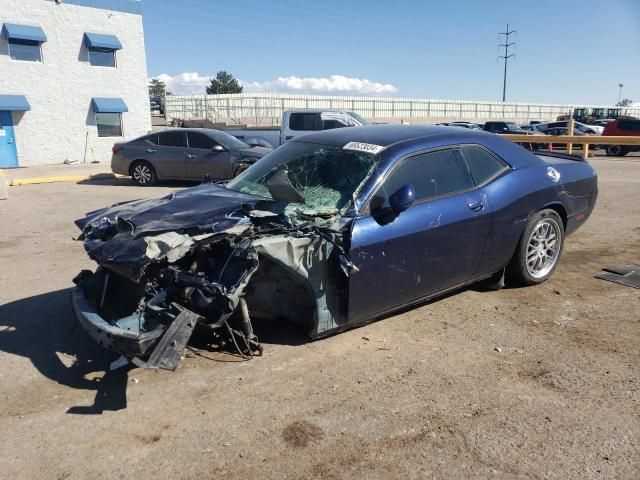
(382, 135)
(398, 140)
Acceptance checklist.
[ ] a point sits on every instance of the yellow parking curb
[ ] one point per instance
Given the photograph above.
(60, 178)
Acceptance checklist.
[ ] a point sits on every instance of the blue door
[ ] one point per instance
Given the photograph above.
(436, 244)
(8, 152)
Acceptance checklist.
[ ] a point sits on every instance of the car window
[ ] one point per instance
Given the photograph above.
(172, 139)
(331, 124)
(431, 175)
(482, 165)
(302, 121)
(152, 139)
(199, 140)
(632, 125)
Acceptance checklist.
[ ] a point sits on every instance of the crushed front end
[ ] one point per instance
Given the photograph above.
(274, 246)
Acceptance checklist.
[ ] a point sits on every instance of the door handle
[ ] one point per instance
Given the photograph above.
(10, 141)
(288, 137)
(189, 155)
(476, 206)
(150, 150)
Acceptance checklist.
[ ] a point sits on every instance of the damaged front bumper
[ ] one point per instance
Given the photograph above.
(124, 340)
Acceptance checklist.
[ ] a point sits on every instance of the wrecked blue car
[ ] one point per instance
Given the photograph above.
(331, 230)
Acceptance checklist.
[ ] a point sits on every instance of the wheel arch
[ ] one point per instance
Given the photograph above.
(139, 160)
(257, 142)
(560, 209)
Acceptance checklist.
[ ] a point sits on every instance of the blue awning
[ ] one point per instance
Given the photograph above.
(11, 31)
(99, 40)
(108, 105)
(14, 103)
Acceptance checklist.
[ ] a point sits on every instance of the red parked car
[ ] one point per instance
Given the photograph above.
(622, 128)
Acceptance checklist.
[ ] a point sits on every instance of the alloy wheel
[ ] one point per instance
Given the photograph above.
(142, 174)
(543, 248)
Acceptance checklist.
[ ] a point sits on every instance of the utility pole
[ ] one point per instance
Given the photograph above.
(620, 86)
(506, 45)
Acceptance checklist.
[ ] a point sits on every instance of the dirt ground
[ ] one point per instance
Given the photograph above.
(424, 394)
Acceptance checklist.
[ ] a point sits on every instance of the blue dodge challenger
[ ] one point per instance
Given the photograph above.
(330, 230)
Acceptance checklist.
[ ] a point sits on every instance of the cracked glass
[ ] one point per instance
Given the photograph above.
(326, 176)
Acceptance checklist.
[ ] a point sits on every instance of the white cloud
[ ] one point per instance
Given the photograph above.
(332, 84)
(192, 83)
(188, 83)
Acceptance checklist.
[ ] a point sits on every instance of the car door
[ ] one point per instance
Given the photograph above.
(168, 158)
(434, 245)
(202, 160)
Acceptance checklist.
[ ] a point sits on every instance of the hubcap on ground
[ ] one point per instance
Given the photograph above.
(543, 248)
(142, 174)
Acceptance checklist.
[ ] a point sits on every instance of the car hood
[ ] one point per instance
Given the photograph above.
(198, 207)
(255, 152)
(118, 237)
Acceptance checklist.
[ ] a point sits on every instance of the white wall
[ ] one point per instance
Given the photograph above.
(60, 89)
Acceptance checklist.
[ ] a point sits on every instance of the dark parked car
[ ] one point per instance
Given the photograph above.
(330, 230)
(503, 127)
(622, 128)
(183, 154)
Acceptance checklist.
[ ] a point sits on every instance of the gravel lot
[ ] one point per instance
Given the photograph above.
(424, 394)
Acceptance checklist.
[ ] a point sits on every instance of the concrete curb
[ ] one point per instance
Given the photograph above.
(61, 178)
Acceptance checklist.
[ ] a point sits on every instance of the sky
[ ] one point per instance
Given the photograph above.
(566, 51)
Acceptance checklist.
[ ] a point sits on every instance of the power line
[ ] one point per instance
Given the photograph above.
(506, 45)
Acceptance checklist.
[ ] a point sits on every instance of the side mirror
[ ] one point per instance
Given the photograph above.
(218, 148)
(402, 198)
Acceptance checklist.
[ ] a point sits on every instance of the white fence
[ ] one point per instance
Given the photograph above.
(267, 108)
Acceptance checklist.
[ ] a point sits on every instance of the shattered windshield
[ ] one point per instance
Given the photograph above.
(313, 179)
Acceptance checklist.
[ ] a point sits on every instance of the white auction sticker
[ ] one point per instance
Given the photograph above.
(363, 147)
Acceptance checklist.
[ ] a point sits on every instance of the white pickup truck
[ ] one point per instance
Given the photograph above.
(295, 123)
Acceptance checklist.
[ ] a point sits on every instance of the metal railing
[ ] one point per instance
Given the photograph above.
(569, 140)
(267, 108)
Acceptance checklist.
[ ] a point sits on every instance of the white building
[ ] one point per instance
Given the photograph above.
(73, 79)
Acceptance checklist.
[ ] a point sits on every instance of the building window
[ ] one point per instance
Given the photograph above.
(25, 50)
(102, 57)
(109, 124)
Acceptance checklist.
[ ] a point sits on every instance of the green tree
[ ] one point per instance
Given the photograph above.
(625, 102)
(157, 88)
(224, 83)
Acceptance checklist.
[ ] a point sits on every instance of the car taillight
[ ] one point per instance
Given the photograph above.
(116, 149)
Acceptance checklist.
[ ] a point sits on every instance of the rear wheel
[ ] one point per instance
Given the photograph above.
(539, 250)
(616, 150)
(143, 173)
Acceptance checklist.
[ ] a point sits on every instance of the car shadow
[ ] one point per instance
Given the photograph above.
(128, 182)
(269, 332)
(43, 329)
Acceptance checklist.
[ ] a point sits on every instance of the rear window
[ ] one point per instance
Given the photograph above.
(153, 139)
(172, 139)
(303, 121)
(482, 165)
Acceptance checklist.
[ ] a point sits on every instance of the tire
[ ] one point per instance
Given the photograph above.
(539, 250)
(143, 173)
(616, 151)
(239, 170)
